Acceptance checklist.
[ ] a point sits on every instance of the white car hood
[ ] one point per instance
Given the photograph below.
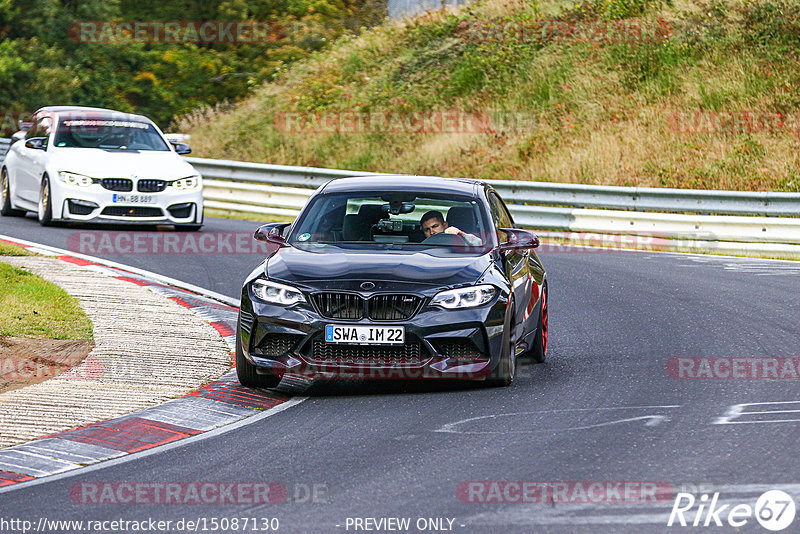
(98, 163)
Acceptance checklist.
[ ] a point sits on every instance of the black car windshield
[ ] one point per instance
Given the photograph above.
(108, 134)
(393, 220)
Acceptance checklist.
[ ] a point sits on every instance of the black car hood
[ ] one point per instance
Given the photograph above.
(336, 268)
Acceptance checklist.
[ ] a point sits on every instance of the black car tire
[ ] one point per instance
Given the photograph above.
(5, 197)
(503, 375)
(188, 227)
(246, 371)
(45, 203)
(538, 352)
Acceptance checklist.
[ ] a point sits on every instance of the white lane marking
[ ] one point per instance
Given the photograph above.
(738, 411)
(53, 251)
(80, 470)
(652, 420)
(757, 267)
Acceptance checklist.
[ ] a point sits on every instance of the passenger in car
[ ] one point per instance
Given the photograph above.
(433, 223)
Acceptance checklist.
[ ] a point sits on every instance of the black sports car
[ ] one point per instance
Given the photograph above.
(396, 277)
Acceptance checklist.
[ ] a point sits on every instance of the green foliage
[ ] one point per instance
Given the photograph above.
(43, 63)
(588, 101)
(775, 22)
(615, 9)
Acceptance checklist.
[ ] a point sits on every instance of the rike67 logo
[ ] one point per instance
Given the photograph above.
(774, 510)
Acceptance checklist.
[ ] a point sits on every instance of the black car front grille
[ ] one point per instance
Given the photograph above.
(459, 349)
(277, 344)
(378, 308)
(132, 211)
(369, 355)
(392, 307)
(339, 305)
(117, 184)
(151, 186)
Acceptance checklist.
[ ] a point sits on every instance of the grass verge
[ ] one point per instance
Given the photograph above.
(651, 93)
(33, 307)
(8, 249)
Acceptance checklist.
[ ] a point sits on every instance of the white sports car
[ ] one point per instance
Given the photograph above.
(92, 164)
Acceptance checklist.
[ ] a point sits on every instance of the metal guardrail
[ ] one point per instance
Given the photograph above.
(740, 219)
(748, 203)
(735, 222)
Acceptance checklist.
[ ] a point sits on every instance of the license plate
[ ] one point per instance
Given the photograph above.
(365, 335)
(133, 199)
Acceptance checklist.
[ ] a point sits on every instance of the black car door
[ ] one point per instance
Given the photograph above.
(515, 264)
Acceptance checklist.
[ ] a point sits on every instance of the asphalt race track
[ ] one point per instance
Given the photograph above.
(602, 409)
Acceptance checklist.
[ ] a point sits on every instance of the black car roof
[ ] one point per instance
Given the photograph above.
(403, 182)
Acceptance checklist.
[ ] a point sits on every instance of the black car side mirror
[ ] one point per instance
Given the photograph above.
(518, 239)
(37, 143)
(272, 233)
(181, 148)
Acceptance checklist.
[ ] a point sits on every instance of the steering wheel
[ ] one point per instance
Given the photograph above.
(445, 239)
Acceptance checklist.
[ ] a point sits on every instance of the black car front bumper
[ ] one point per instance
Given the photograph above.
(464, 344)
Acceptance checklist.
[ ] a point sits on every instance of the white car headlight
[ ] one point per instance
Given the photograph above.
(465, 297)
(190, 182)
(70, 178)
(275, 293)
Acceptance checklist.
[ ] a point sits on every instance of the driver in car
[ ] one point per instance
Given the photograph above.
(433, 223)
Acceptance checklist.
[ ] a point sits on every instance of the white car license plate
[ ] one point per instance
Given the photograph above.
(133, 199)
(365, 335)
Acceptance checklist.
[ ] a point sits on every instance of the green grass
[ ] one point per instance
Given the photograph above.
(587, 111)
(7, 249)
(33, 307)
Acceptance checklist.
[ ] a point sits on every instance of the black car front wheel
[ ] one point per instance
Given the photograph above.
(503, 375)
(538, 352)
(246, 371)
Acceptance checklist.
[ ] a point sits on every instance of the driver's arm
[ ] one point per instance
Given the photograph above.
(472, 240)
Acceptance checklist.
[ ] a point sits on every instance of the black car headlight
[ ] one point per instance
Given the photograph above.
(465, 297)
(275, 293)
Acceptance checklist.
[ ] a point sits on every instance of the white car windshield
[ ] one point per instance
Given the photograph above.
(108, 134)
